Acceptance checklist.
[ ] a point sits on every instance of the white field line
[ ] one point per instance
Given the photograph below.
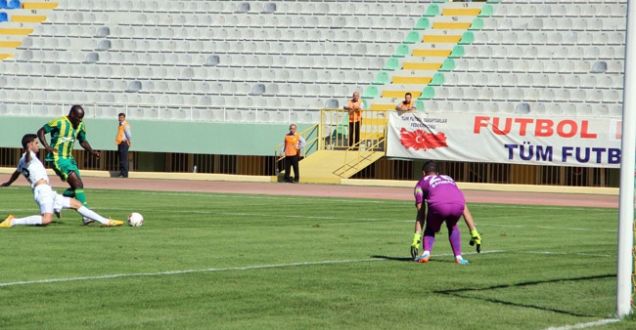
(207, 270)
(585, 325)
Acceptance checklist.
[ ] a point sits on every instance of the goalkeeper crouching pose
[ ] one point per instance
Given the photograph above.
(421, 210)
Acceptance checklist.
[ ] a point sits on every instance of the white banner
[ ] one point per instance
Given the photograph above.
(563, 141)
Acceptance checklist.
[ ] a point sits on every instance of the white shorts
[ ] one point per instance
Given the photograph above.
(48, 200)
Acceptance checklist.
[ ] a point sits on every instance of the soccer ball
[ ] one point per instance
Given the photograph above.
(135, 220)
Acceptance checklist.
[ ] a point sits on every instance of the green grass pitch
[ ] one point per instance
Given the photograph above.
(232, 261)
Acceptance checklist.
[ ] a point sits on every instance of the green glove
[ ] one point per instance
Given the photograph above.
(475, 239)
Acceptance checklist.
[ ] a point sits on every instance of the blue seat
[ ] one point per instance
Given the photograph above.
(14, 4)
(3, 4)
(4, 17)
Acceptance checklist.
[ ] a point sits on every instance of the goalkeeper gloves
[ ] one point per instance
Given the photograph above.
(475, 240)
(415, 245)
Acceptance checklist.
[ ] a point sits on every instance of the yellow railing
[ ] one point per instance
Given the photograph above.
(334, 130)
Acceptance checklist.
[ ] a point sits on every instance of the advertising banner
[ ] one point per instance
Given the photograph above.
(498, 138)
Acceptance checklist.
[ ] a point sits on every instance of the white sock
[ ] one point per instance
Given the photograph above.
(92, 215)
(459, 257)
(34, 220)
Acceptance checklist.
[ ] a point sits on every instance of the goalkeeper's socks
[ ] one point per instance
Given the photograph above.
(34, 220)
(86, 212)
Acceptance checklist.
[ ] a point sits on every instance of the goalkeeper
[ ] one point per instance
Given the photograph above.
(475, 237)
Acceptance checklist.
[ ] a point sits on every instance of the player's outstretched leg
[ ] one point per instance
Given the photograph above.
(33, 220)
(92, 215)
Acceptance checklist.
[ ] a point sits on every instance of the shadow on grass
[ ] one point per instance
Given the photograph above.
(404, 259)
(459, 293)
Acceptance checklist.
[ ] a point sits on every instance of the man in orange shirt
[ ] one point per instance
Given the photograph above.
(407, 105)
(354, 106)
(123, 143)
(292, 147)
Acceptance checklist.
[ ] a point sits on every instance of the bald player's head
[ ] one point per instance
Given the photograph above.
(76, 114)
(429, 167)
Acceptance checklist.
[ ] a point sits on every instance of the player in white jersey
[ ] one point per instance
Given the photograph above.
(47, 199)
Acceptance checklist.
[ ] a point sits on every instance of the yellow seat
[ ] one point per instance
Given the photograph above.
(39, 5)
(452, 25)
(411, 80)
(461, 11)
(371, 135)
(16, 31)
(28, 18)
(399, 94)
(5, 56)
(10, 43)
(422, 66)
(374, 122)
(432, 52)
(382, 107)
(442, 38)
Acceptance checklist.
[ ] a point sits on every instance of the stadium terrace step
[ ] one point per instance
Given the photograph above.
(4, 56)
(39, 5)
(400, 93)
(422, 65)
(411, 80)
(320, 166)
(461, 11)
(16, 31)
(442, 38)
(422, 52)
(27, 18)
(452, 25)
(10, 43)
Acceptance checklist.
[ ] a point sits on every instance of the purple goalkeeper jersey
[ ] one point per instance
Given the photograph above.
(438, 189)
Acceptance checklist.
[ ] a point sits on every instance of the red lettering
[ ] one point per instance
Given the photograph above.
(499, 131)
(585, 126)
(567, 128)
(619, 130)
(480, 121)
(544, 127)
(523, 125)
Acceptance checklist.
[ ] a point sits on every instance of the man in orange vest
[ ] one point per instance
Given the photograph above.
(407, 105)
(123, 141)
(292, 147)
(354, 106)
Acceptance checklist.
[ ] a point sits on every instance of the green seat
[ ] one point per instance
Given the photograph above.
(423, 23)
(382, 78)
(467, 38)
(458, 51)
(438, 79)
(428, 93)
(486, 10)
(432, 10)
(371, 92)
(448, 65)
(478, 24)
(402, 50)
(419, 104)
(412, 37)
(392, 64)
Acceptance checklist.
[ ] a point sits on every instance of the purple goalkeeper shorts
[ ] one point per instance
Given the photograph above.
(439, 213)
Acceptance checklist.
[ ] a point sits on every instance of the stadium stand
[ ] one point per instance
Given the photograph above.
(285, 60)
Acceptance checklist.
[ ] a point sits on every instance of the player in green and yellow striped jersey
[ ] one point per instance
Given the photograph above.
(64, 132)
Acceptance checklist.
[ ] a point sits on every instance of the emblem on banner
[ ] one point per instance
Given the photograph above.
(422, 140)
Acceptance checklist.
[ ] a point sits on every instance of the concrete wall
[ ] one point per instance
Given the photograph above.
(165, 136)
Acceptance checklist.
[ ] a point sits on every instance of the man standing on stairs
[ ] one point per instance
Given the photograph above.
(354, 107)
(407, 105)
(292, 147)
